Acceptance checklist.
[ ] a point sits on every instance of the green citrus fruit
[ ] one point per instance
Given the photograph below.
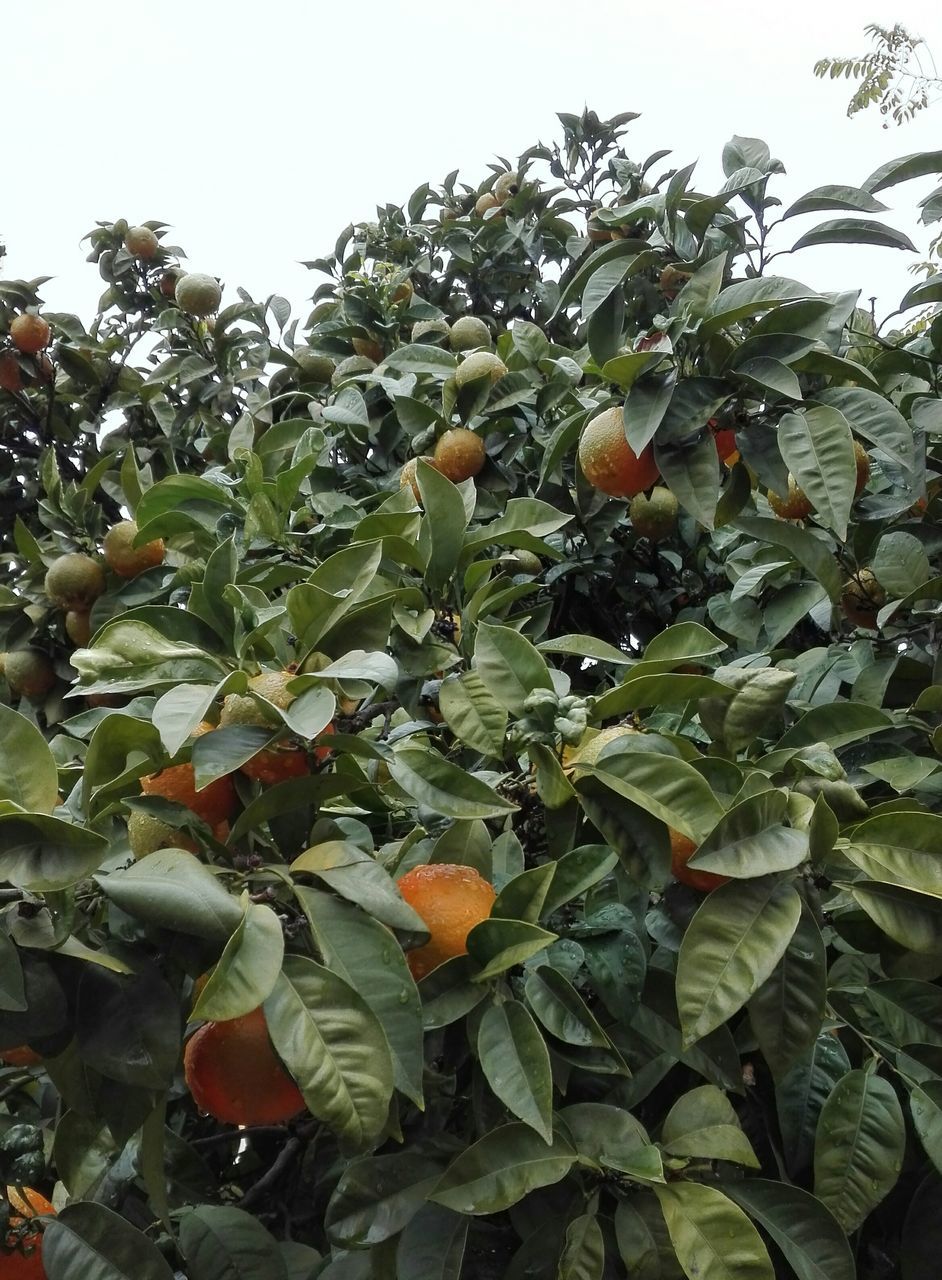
(74, 581)
(198, 294)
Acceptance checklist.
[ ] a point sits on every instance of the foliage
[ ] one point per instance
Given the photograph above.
(623, 1073)
(891, 76)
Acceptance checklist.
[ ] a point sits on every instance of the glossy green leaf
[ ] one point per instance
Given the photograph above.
(713, 1238)
(28, 774)
(432, 780)
(859, 1147)
(94, 1242)
(247, 970)
(804, 1229)
(818, 450)
(516, 1063)
(501, 1168)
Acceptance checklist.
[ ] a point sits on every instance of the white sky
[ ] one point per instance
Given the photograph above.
(260, 129)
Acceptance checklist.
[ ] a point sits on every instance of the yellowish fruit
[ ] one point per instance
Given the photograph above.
(435, 332)
(408, 476)
(486, 202)
(608, 461)
(469, 332)
(28, 672)
(369, 348)
(459, 454)
(74, 581)
(198, 294)
(480, 364)
(507, 185)
(672, 280)
(403, 292)
(862, 599)
(78, 628)
(147, 834)
(523, 561)
(654, 517)
(862, 463)
(141, 242)
(796, 506)
(124, 557)
(590, 748)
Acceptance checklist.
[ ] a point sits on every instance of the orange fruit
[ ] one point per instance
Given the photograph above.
(74, 582)
(198, 294)
(862, 599)
(214, 803)
(24, 1261)
(233, 1073)
(862, 463)
(124, 557)
(682, 850)
(484, 202)
(11, 375)
(369, 348)
(794, 507)
(29, 333)
(725, 440)
(141, 242)
(451, 900)
(23, 1056)
(459, 454)
(276, 764)
(671, 281)
(608, 461)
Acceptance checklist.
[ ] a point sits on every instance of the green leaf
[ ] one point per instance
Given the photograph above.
(713, 1238)
(808, 549)
(501, 1168)
(28, 774)
(921, 1234)
(925, 1104)
(668, 788)
(127, 656)
(42, 853)
(523, 896)
(432, 1245)
(516, 1063)
(854, 231)
(451, 791)
(756, 697)
(643, 1242)
(368, 956)
(509, 665)
(604, 1135)
(702, 1124)
(768, 374)
(172, 890)
(738, 935)
(916, 165)
(498, 945)
(801, 1093)
(804, 1229)
(473, 713)
(900, 563)
(585, 647)
(358, 877)
(830, 196)
(377, 1196)
(334, 1047)
(835, 725)
(247, 970)
(445, 522)
(220, 1241)
(692, 473)
(859, 1147)
(749, 297)
(750, 840)
(583, 1255)
(96, 1243)
(644, 410)
(422, 358)
(561, 1009)
(910, 1010)
(787, 1011)
(873, 416)
(818, 449)
(912, 919)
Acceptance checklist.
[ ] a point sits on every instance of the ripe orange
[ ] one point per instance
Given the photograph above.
(451, 900)
(862, 599)
(24, 1262)
(214, 803)
(368, 347)
(29, 333)
(459, 454)
(725, 440)
(671, 281)
(276, 764)
(233, 1073)
(11, 375)
(198, 294)
(682, 850)
(862, 463)
(123, 557)
(795, 506)
(608, 461)
(23, 1056)
(484, 202)
(74, 581)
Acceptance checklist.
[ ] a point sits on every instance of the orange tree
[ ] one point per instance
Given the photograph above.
(294, 611)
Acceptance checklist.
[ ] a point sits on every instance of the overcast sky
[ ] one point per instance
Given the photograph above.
(260, 129)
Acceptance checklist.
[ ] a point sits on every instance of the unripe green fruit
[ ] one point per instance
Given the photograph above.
(313, 367)
(655, 517)
(431, 331)
(28, 672)
(74, 581)
(141, 242)
(469, 332)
